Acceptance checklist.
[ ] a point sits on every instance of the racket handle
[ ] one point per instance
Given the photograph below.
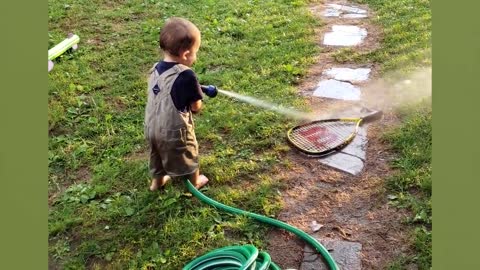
(376, 115)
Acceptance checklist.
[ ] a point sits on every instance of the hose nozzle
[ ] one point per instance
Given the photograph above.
(209, 90)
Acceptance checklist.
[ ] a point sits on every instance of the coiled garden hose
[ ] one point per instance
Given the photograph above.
(247, 257)
(233, 257)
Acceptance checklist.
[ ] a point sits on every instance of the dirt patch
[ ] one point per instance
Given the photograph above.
(52, 264)
(82, 175)
(143, 154)
(352, 208)
(96, 41)
(118, 103)
(288, 249)
(54, 130)
(97, 263)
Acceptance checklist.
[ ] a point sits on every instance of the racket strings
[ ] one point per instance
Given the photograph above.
(322, 136)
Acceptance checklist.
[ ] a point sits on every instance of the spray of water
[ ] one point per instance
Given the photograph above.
(298, 115)
(397, 89)
(394, 90)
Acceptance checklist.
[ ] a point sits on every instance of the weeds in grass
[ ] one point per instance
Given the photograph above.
(96, 106)
(412, 184)
(406, 35)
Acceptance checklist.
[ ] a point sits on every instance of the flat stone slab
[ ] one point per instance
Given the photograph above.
(358, 146)
(352, 12)
(331, 12)
(346, 254)
(349, 9)
(336, 89)
(348, 74)
(344, 35)
(344, 162)
(354, 16)
(351, 158)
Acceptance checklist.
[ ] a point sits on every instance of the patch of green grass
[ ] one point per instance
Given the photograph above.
(412, 184)
(406, 35)
(399, 264)
(106, 218)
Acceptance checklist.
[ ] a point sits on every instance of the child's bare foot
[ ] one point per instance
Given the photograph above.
(202, 180)
(158, 183)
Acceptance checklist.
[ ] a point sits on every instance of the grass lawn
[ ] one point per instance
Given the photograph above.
(412, 185)
(101, 215)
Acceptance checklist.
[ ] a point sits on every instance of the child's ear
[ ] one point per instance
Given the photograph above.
(184, 54)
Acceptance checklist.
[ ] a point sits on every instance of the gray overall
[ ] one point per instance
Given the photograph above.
(170, 133)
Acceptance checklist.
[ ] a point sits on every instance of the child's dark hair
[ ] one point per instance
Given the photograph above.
(177, 35)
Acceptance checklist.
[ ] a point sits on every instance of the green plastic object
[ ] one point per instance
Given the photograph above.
(245, 257)
(63, 46)
(233, 257)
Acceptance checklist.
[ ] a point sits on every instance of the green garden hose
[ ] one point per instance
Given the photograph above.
(247, 257)
(234, 258)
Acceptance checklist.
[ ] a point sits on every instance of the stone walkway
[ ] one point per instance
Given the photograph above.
(341, 83)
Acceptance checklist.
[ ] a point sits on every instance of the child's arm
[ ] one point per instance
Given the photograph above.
(209, 90)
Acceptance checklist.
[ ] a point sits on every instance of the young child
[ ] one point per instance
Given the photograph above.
(173, 95)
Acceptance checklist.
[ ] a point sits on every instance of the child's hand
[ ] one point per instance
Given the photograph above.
(209, 90)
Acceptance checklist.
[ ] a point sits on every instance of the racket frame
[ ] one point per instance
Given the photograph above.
(367, 118)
